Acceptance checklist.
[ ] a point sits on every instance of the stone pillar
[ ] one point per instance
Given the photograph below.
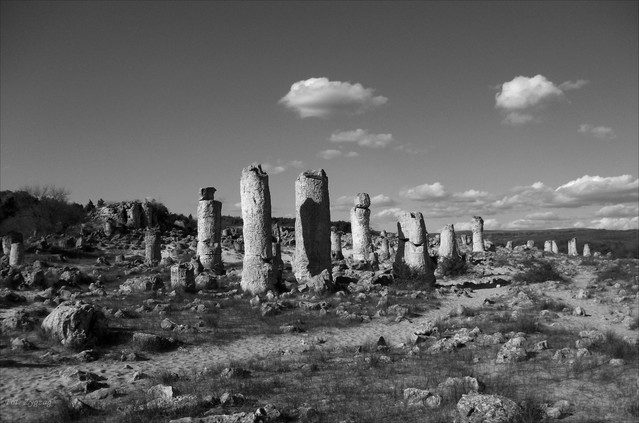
(464, 240)
(109, 227)
(278, 263)
(586, 252)
(336, 244)
(10, 238)
(553, 247)
(360, 227)
(149, 218)
(183, 277)
(448, 244)
(384, 248)
(530, 244)
(16, 255)
(412, 249)
(548, 247)
(478, 234)
(209, 231)
(312, 225)
(257, 271)
(572, 247)
(134, 215)
(153, 247)
(509, 245)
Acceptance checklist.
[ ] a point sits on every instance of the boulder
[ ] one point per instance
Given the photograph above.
(479, 408)
(75, 325)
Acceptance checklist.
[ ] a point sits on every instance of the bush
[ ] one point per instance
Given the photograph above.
(614, 346)
(450, 267)
(617, 272)
(539, 271)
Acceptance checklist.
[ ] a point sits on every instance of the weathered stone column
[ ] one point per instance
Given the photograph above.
(209, 231)
(336, 244)
(530, 244)
(413, 245)
(548, 247)
(278, 263)
(149, 217)
(554, 247)
(312, 226)
(16, 255)
(257, 272)
(586, 252)
(478, 234)
(134, 215)
(384, 248)
(11, 238)
(448, 244)
(153, 247)
(464, 240)
(360, 227)
(509, 245)
(183, 277)
(109, 227)
(572, 247)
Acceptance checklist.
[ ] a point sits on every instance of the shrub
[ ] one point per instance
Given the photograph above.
(539, 271)
(617, 272)
(449, 267)
(616, 347)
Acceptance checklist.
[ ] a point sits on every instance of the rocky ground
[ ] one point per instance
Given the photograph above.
(89, 332)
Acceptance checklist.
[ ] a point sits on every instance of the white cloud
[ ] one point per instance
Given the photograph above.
(597, 190)
(364, 138)
(620, 223)
(388, 215)
(618, 210)
(570, 85)
(319, 97)
(281, 166)
(601, 132)
(545, 216)
(522, 99)
(382, 200)
(424, 192)
(333, 154)
(489, 224)
(409, 149)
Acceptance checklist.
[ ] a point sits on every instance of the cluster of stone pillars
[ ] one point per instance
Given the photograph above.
(412, 248)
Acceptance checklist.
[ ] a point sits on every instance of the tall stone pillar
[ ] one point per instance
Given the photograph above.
(478, 234)
(16, 255)
(572, 247)
(586, 252)
(530, 244)
(509, 245)
(312, 226)
(152, 247)
(384, 248)
(11, 238)
(548, 247)
(336, 244)
(554, 247)
(209, 231)
(448, 244)
(257, 272)
(360, 227)
(134, 215)
(413, 245)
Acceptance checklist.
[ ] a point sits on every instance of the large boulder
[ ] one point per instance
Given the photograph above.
(75, 325)
(479, 408)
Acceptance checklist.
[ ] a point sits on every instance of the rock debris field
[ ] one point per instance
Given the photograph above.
(129, 319)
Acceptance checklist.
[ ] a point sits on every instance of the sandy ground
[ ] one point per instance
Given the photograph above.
(26, 392)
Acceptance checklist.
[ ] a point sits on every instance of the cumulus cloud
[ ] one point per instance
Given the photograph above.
(597, 190)
(546, 216)
(601, 132)
(489, 224)
(382, 200)
(319, 97)
(333, 154)
(388, 215)
(522, 99)
(363, 137)
(570, 85)
(619, 224)
(618, 210)
(281, 166)
(424, 192)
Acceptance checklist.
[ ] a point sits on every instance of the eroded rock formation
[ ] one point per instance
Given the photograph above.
(478, 234)
(412, 249)
(360, 227)
(209, 231)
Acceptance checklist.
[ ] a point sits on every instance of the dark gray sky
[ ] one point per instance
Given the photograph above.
(522, 112)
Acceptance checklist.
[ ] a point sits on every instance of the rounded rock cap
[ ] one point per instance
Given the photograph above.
(362, 200)
(207, 193)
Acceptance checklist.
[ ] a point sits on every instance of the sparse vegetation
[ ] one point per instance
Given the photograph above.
(537, 271)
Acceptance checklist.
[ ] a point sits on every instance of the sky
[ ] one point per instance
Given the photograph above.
(524, 113)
